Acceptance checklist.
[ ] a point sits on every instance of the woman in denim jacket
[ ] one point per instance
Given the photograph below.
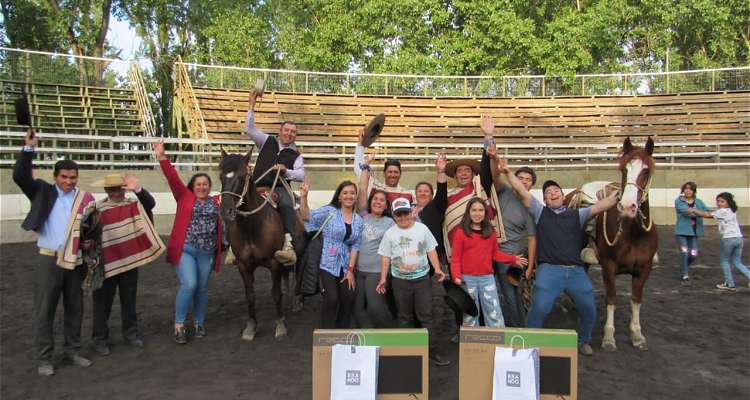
(341, 237)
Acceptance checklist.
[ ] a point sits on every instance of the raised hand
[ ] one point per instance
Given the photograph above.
(159, 149)
(131, 182)
(369, 158)
(440, 163)
(492, 151)
(502, 165)
(360, 137)
(487, 125)
(31, 138)
(304, 187)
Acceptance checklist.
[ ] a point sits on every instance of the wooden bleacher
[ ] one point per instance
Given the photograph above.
(73, 109)
(596, 119)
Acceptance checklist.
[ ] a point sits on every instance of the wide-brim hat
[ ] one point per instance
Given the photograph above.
(515, 275)
(110, 180)
(458, 299)
(260, 87)
(373, 129)
(451, 167)
(23, 112)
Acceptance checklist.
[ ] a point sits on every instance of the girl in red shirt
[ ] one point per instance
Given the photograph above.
(471, 263)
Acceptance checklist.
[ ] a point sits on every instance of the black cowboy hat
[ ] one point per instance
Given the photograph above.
(458, 299)
(373, 129)
(23, 112)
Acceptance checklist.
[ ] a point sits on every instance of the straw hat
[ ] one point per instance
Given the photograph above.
(260, 87)
(110, 180)
(451, 167)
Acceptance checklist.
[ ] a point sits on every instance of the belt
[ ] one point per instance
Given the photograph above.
(565, 266)
(47, 252)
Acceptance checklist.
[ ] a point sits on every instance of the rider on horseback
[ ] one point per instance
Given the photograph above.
(278, 152)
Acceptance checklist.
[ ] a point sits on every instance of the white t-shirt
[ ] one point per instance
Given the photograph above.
(728, 225)
(408, 250)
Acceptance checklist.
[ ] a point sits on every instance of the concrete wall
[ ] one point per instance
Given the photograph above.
(665, 188)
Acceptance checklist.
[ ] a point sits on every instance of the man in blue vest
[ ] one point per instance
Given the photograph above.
(278, 152)
(560, 267)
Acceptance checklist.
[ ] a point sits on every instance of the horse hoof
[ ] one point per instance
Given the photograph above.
(280, 333)
(609, 346)
(641, 346)
(249, 332)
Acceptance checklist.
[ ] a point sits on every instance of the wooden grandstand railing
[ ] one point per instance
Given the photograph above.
(712, 116)
(73, 109)
(187, 105)
(129, 153)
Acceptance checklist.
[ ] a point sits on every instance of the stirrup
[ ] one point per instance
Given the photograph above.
(286, 257)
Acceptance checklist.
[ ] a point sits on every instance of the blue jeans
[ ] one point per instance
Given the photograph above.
(688, 251)
(509, 292)
(731, 250)
(551, 280)
(194, 271)
(484, 291)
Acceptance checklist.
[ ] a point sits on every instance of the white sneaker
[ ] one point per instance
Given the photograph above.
(725, 286)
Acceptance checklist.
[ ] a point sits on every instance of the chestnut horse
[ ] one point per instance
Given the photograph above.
(626, 238)
(255, 233)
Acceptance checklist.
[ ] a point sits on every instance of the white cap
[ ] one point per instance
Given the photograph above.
(400, 204)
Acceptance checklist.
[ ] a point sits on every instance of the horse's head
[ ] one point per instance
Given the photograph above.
(637, 168)
(236, 182)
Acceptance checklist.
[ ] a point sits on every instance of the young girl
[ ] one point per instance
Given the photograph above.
(689, 226)
(731, 239)
(471, 263)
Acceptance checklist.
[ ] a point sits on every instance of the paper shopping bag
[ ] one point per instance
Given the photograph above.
(516, 374)
(354, 372)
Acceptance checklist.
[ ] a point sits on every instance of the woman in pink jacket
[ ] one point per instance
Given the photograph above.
(194, 247)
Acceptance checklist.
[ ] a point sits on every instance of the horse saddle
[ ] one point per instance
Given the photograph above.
(266, 192)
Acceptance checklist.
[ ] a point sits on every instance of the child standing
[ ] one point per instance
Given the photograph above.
(405, 250)
(471, 263)
(689, 226)
(731, 239)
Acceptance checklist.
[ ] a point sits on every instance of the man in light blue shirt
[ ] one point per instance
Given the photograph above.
(51, 208)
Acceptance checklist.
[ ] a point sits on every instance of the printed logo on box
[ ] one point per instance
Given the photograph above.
(352, 377)
(513, 379)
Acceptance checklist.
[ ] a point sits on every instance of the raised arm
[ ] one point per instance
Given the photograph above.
(22, 171)
(603, 205)
(364, 182)
(304, 207)
(173, 178)
(144, 197)
(487, 125)
(258, 137)
(514, 182)
(497, 176)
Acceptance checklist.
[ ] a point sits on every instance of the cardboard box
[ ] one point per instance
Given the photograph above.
(558, 360)
(403, 368)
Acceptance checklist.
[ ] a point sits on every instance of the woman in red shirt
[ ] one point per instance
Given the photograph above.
(471, 263)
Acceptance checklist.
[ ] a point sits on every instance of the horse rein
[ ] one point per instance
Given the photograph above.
(267, 199)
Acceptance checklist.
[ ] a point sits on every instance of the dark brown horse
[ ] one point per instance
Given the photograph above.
(255, 233)
(626, 238)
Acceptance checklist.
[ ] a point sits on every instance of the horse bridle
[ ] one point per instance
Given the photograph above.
(643, 197)
(267, 199)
